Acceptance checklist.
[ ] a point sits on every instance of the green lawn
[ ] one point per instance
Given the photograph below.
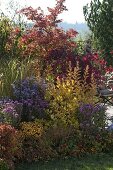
(95, 162)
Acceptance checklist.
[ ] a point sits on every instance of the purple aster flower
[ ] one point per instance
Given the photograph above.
(9, 112)
(86, 109)
(29, 92)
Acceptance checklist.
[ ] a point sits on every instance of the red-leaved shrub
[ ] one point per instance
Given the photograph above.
(8, 144)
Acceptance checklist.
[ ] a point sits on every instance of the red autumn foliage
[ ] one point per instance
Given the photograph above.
(7, 141)
(45, 39)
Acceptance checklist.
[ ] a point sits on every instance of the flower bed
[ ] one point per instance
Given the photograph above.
(48, 93)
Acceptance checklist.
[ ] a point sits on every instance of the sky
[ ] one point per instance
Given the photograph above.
(73, 15)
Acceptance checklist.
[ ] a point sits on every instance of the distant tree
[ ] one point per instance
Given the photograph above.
(99, 17)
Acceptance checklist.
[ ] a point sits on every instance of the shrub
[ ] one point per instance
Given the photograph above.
(108, 138)
(62, 139)
(46, 140)
(45, 41)
(92, 124)
(44, 36)
(8, 144)
(66, 95)
(35, 145)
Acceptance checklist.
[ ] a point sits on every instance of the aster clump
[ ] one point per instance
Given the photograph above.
(92, 116)
(31, 94)
(10, 111)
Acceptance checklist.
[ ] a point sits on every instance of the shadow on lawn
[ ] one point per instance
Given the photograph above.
(95, 162)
